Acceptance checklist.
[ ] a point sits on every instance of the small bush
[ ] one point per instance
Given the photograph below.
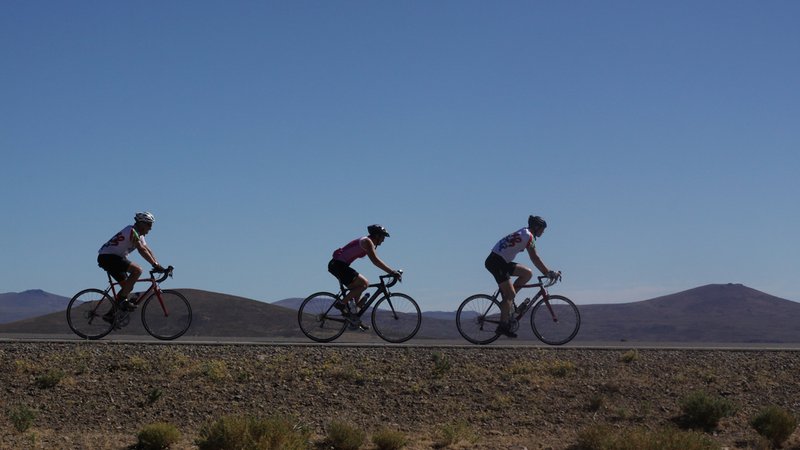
(154, 395)
(630, 356)
(441, 365)
(596, 402)
(342, 436)
(50, 379)
(606, 438)
(216, 370)
(22, 418)
(701, 410)
(453, 433)
(249, 433)
(386, 439)
(157, 436)
(561, 369)
(775, 424)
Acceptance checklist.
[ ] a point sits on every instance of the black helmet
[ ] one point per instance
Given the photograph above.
(536, 222)
(377, 230)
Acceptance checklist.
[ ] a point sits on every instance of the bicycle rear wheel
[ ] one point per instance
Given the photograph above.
(166, 317)
(555, 320)
(477, 319)
(85, 313)
(396, 318)
(319, 320)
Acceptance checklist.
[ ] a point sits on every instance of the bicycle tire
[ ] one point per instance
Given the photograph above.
(396, 318)
(477, 319)
(560, 331)
(168, 320)
(85, 313)
(319, 320)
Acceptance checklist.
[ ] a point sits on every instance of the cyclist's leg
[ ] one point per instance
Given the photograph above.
(134, 272)
(117, 267)
(502, 271)
(352, 280)
(523, 275)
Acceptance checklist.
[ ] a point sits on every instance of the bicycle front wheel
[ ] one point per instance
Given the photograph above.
(85, 314)
(477, 319)
(555, 320)
(319, 320)
(396, 318)
(166, 316)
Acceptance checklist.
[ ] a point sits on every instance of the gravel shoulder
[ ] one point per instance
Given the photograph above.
(500, 397)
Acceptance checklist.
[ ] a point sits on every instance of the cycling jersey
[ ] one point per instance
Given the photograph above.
(122, 243)
(350, 252)
(509, 246)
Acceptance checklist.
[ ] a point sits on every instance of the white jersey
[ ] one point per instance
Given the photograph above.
(122, 243)
(509, 246)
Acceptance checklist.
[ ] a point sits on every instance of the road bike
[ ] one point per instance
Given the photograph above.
(166, 314)
(395, 317)
(555, 319)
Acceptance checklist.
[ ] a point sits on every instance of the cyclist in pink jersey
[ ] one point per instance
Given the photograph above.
(113, 256)
(339, 266)
(500, 263)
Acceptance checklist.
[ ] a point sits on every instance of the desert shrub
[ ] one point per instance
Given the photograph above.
(22, 417)
(630, 356)
(560, 369)
(775, 424)
(216, 370)
(157, 436)
(596, 402)
(50, 379)
(606, 438)
(343, 436)
(453, 433)
(441, 365)
(250, 433)
(701, 410)
(386, 439)
(153, 395)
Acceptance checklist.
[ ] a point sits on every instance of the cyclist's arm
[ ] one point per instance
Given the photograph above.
(147, 254)
(537, 261)
(367, 245)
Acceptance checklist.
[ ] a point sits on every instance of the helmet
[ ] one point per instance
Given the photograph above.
(377, 230)
(144, 217)
(536, 222)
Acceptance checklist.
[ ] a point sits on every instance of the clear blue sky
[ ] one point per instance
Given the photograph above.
(660, 140)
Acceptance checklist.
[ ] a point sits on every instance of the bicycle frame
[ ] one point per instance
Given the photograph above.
(519, 313)
(154, 287)
(382, 288)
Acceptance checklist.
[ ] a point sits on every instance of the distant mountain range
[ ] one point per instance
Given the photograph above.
(722, 313)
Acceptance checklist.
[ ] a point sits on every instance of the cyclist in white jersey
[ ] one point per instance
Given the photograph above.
(500, 263)
(339, 265)
(113, 255)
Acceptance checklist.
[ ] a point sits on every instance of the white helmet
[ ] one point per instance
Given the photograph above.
(144, 217)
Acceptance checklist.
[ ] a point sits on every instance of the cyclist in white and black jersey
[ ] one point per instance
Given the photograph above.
(500, 263)
(113, 255)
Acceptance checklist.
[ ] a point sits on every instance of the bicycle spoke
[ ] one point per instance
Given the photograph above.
(477, 319)
(396, 318)
(319, 320)
(556, 320)
(85, 314)
(167, 316)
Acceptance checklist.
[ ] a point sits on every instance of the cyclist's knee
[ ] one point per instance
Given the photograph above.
(135, 271)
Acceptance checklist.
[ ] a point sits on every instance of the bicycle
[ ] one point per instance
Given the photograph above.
(396, 317)
(166, 314)
(555, 319)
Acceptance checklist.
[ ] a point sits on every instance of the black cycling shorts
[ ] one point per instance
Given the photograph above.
(499, 268)
(342, 271)
(116, 266)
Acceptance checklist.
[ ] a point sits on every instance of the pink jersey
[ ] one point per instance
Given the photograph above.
(509, 246)
(350, 252)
